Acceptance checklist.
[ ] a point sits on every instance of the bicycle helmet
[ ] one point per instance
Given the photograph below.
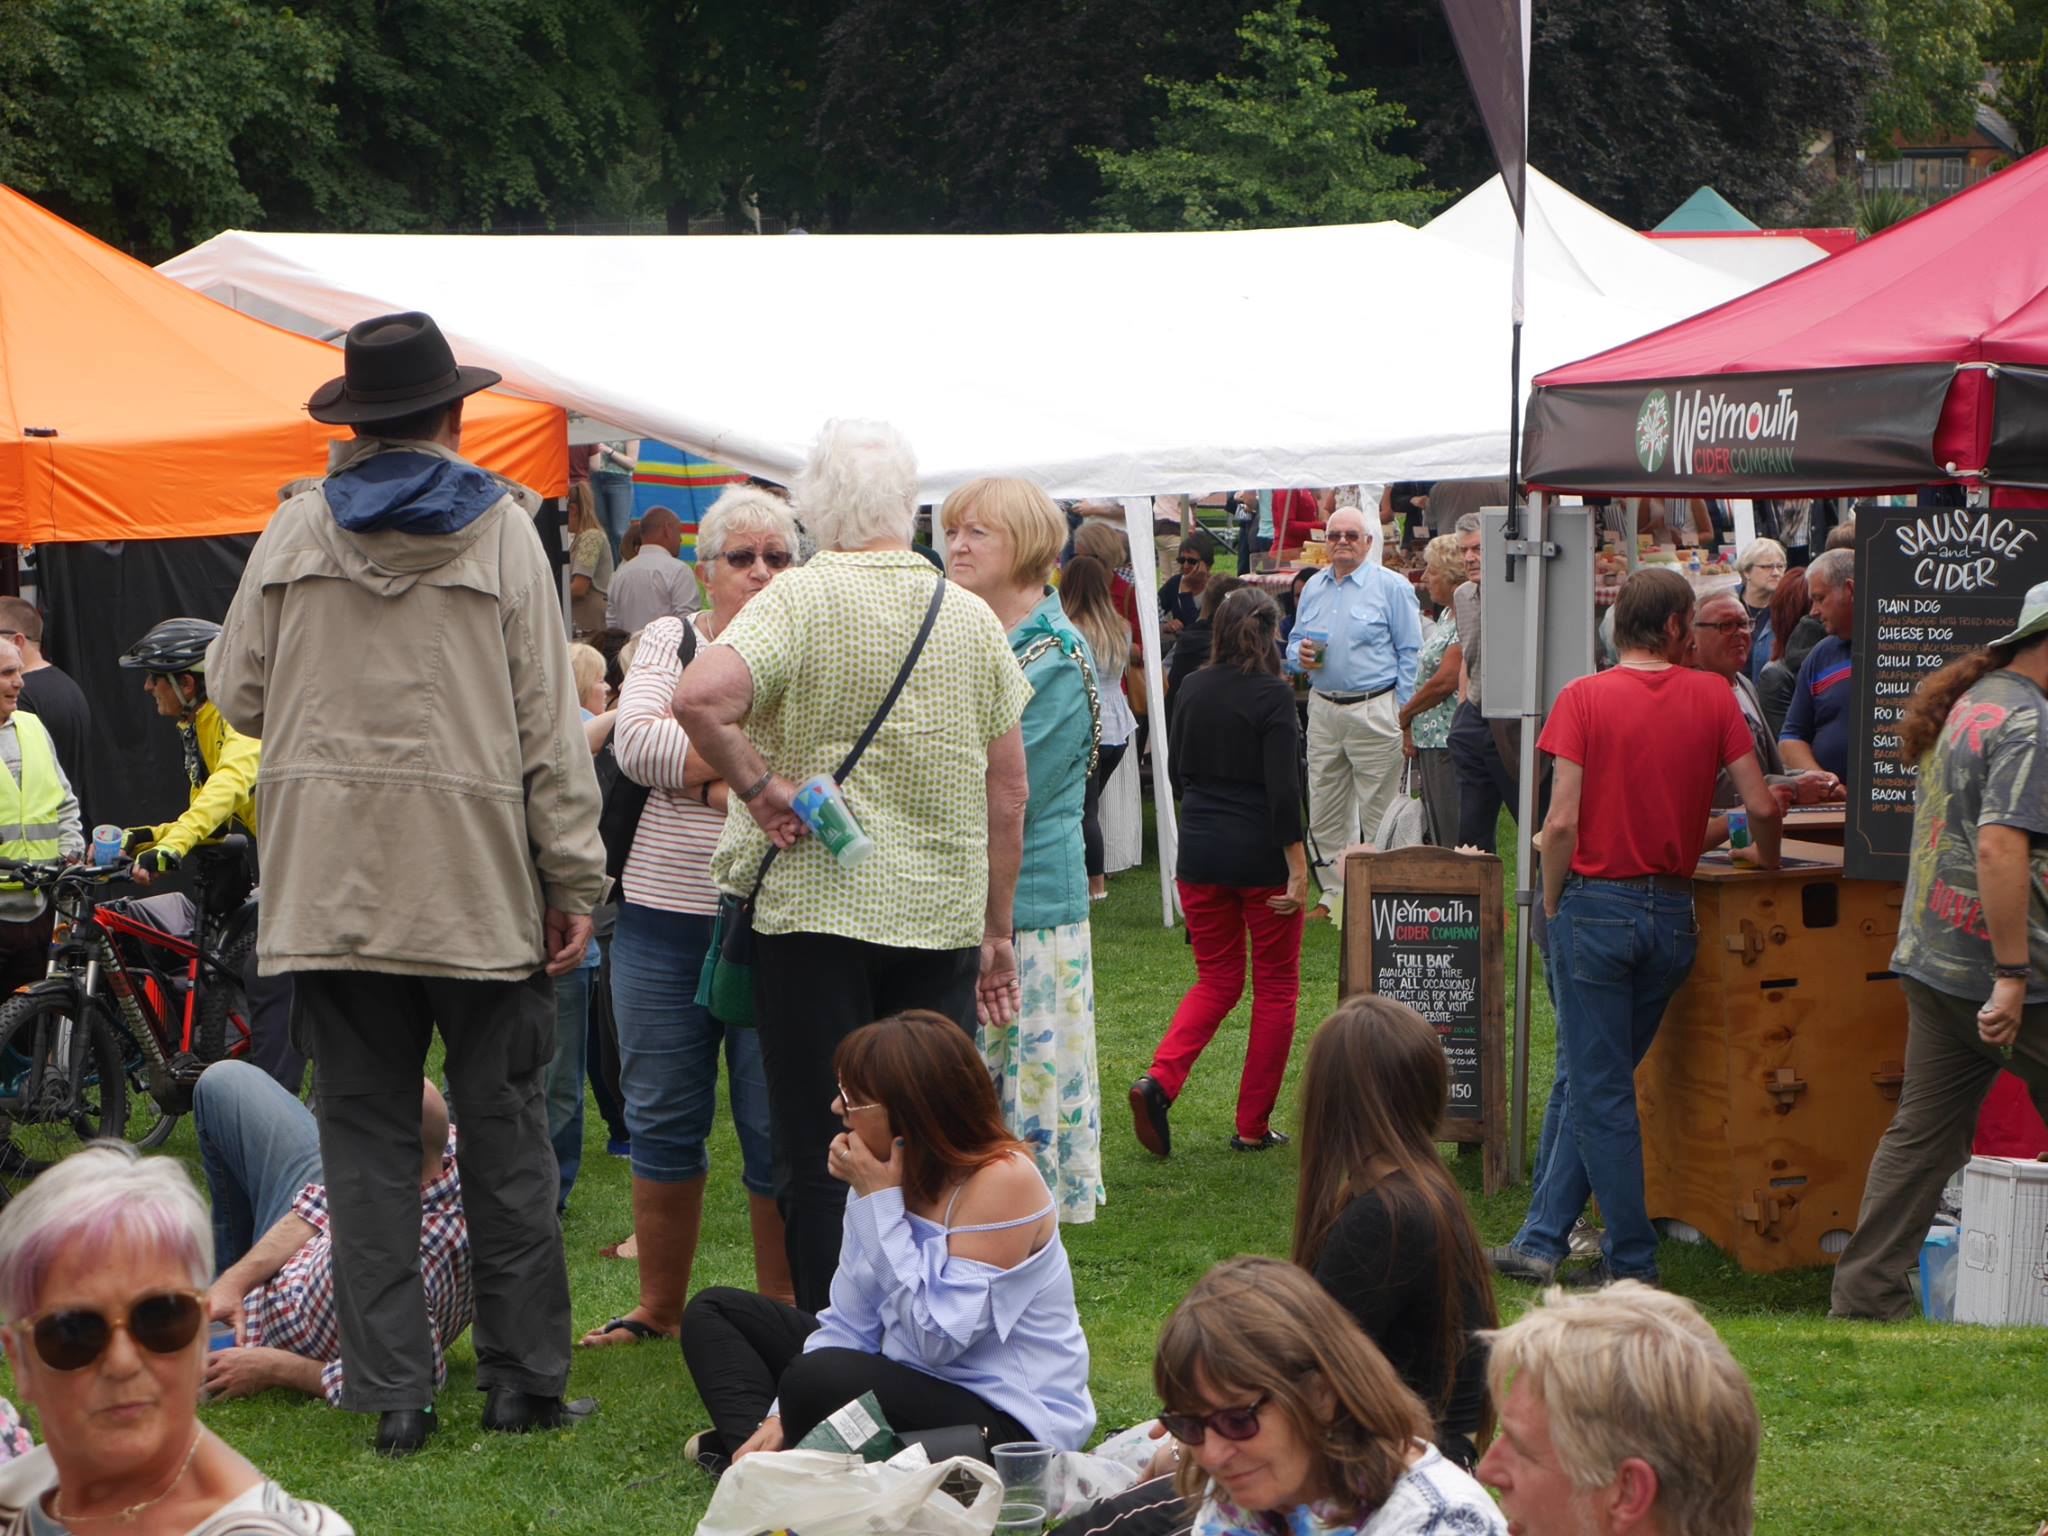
(176, 645)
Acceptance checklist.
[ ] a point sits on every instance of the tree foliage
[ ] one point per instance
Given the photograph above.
(1278, 144)
(1933, 53)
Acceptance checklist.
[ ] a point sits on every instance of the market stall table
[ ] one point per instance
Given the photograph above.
(1779, 1062)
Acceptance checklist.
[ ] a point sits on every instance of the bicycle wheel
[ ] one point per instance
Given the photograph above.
(149, 1123)
(47, 1109)
(225, 999)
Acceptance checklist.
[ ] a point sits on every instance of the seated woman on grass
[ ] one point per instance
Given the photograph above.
(1290, 1422)
(952, 1303)
(1379, 1221)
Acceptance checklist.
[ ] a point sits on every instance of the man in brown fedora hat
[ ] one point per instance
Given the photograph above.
(430, 857)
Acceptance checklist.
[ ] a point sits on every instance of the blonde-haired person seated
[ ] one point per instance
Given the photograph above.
(1621, 1411)
(1289, 1419)
(104, 1266)
(1002, 539)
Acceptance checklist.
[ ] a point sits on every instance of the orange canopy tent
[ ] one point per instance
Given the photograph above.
(132, 407)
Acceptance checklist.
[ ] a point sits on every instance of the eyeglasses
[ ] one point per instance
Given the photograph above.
(1724, 625)
(1768, 565)
(743, 559)
(162, 1322)
(847, 1106)
(1230, 1423)
(1344, 538)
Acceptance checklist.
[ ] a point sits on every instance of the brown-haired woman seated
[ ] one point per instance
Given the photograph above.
(1290, 1422)
(952, 1303)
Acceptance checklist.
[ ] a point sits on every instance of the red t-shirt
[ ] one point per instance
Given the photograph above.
(1650, 745)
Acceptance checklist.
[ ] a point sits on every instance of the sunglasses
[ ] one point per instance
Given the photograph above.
(1230, 1423)
(743, 559)
(163, 1323)
(1192, 560)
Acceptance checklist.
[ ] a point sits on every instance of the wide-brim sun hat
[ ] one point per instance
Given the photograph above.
(2033, 617)
(394, 365)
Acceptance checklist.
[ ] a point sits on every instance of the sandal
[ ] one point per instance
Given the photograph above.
(639, 1333)
(618, 1250)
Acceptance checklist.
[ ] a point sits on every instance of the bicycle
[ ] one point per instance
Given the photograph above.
(112, 1040)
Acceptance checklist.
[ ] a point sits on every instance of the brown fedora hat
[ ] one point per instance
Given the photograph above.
(394, 365)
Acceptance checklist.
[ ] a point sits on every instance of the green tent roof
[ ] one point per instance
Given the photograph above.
(1706, 209)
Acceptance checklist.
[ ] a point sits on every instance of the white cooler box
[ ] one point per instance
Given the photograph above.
(2002, 1268)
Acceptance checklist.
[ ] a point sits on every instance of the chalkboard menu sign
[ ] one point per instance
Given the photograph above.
(1931, 583)
(1423, 926)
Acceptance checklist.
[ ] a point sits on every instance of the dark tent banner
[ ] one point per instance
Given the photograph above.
(1489, 38)
(99, 599)
(2019, 431)
(1739, 434)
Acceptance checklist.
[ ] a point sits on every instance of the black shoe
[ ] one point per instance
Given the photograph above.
(512, 1412)
(1518, 1264)
(401, 1431)
(1149, 1105)
(1597, 1276)
(706, 1450)
(1264, 1143)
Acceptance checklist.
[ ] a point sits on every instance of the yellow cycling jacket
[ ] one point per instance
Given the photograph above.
(229, 791)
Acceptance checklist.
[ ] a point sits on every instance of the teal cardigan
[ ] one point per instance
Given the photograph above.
(1060, 732)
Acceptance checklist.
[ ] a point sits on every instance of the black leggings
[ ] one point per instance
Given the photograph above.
(744, 1351)
(1106, 759)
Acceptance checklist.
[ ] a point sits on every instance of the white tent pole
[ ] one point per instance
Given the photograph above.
(1145, 576)
(1528, 890)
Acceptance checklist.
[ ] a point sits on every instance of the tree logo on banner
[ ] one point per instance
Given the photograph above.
(1653, 431)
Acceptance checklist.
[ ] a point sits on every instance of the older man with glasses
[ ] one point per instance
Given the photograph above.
(1722, 642)
(1357, 634)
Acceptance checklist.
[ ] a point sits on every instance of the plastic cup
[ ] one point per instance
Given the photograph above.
(106, 845)
(824, 810)
(1025, 1466)
(1738, 829)
(1320, 639)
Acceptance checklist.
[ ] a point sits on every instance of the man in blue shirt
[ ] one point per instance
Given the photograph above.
(1356, 634)
(1816, 729)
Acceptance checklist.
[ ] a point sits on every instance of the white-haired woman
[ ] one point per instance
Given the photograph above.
(1002, 537)
(1426, 717)
(104, 1265)
(1761, 565)
(924, 920)
(669, 1043)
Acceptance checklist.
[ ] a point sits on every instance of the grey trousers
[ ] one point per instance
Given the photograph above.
(368, 1035)
(1948, 1073)
(1439, 777)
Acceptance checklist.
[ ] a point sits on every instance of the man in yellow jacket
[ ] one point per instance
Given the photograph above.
(221, 766)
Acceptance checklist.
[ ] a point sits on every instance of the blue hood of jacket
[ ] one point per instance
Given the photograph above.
(410, 492)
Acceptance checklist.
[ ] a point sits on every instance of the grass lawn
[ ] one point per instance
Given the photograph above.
(1908, 1428)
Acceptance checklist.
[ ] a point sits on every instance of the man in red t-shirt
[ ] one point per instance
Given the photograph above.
(1637, 750)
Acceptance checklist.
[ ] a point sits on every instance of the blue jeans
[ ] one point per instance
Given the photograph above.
(668, 1053)
(1617, 953)
(260, 1147)
(614, 495)
(565, 1074)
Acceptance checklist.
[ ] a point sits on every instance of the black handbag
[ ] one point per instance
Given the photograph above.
(618, 821)
(727, 986)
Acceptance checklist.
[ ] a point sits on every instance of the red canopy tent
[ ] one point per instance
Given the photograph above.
(1918, 357)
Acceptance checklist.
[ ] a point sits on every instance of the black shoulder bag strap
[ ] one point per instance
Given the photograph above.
(839, 775)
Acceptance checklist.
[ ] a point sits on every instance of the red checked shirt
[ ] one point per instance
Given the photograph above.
(295, 1310)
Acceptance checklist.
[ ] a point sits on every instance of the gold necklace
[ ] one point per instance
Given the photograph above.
(57, 1497)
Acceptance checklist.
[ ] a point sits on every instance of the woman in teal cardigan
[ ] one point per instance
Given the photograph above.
(1002, 538)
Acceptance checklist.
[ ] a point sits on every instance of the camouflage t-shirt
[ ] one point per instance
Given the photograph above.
(1988, 768)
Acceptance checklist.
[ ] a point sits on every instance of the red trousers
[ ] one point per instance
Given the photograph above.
(1219, 917)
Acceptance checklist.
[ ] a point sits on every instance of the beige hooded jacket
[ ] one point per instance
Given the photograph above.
(426, 788)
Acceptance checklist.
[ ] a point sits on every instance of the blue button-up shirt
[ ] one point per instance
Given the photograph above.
(1374, 625)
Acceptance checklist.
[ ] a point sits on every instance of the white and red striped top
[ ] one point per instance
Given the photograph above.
(669, 867)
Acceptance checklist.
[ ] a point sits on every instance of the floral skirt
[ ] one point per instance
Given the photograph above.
(1043, 1063)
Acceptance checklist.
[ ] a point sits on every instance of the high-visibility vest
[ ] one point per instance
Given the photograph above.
(29, 809)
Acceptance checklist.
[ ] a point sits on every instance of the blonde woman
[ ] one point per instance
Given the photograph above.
(1002, 537)
(1426, 717)
(1089, 598)
(590, 564)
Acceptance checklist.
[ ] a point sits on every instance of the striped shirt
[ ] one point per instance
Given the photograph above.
(669, 866)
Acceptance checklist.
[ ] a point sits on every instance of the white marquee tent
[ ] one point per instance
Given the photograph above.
(1098, 365)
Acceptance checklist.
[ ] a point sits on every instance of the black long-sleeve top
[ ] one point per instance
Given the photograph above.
(1233, 756)
(1382, 1264)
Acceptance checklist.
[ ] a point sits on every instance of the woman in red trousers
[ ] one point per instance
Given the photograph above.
(1243, 871)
